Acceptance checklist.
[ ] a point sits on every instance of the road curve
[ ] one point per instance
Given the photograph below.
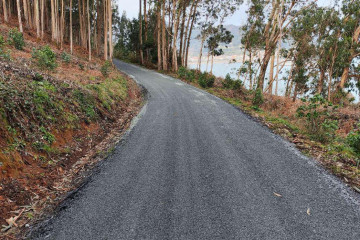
(195, 167)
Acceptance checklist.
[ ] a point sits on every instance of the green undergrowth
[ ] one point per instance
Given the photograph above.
(34, 113)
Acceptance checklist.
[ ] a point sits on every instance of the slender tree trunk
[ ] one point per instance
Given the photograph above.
(201, 52)
(19, 15)
(71, 28)
(263, 69)
(163, 37)
(158, 23)
(110, 30)
(105, 30)
(190, 33)
(42, 7)
(175, 34)
(321, 81)
(6, 19)
(26, 13)
(146, 57)
(99, 26)
(344, 77)
(140, 35)
(89, 28)
(37, 19)
(271, 74)
(62, 25)
(182, 29)
(212, 63)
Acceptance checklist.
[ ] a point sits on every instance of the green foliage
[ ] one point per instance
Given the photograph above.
(86, 102)
(258, 98)
(229, 83)
(106, 68)
(16, 39)
(38, 77)
(206, 80)
(353, 140)
(4, 54)
(44, 58)
(48, 137)
(81, 66)
(66, 58)
(187, 74)
(316, 112)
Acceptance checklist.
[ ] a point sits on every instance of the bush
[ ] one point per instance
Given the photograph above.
(106, 68)
(258, 98)
(206, 80)
(182, 72)
(45, 58)
(16, 38)
(229, 83)
(66, 58)
(353, 140)
(316, 111)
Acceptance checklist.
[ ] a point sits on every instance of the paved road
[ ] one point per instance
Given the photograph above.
(194, 167)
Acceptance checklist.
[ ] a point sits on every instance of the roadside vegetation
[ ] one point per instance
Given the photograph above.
(59, 115)
(310, 49)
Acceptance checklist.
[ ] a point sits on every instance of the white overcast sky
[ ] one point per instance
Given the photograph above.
(132, 10)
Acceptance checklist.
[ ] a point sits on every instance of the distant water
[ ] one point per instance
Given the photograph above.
(221, 69)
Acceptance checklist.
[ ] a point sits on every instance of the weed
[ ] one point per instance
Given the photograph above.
(106, 69)
(16, 39)
(44, 58)
(66, 58)
(48, 137)
(82, 67)
(86, 102)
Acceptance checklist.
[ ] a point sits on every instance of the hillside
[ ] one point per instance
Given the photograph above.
(59, 115)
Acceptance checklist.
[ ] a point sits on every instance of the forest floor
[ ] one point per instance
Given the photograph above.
(55, 125)
(279, 114)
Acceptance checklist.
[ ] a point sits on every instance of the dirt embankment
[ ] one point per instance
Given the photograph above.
(55, 125)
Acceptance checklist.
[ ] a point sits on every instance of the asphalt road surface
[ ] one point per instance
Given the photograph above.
(195, 167)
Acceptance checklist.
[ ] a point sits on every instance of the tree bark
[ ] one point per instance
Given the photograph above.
(71, 28)
(140, 35)
(6, 19)
(89, 28)
(105, 31)
(158, 23)
(110, 30)
(19, 15)
(163, 37)
(321, 81)
(37, 19)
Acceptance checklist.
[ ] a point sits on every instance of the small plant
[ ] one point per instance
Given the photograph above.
(2, 41)
(206, 81)
(81, 66)
(316, 111)
(5, 55)
(353, 140)
(45, 58)
(106, 68)
(48, 137)
(16, 38)
(66, 58)
(258, 98)
(182, 72)
(38, 77)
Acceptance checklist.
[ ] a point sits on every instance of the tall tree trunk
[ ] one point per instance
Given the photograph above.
(140, 35)
(19, 15)
(146, 31)
(99, 26)
(89, 28)
(105, 30)
(62, 25)
(182, 29)
(176, 15)
(271, 74)
(321, 81)
(263, 69)
(42, 10)
(110, 30)
(163, 37)
(158, 27)
(6, 19)
(37, 19)
(26, 13)
(71, 28)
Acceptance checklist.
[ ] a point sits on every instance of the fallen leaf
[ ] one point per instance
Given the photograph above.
(308, 211)
(276, 194)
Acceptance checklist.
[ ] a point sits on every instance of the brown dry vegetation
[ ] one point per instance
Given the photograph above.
(54, 129)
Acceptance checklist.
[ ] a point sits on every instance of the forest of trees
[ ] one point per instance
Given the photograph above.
(87, 23)
(313, 49)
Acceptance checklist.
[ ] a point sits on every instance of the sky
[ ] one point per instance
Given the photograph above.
(132, 10)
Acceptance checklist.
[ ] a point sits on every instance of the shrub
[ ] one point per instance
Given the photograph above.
(2, 41)
(230, 83)
(353, 140)
(66, 58)
(45, 58)
(191, 75)
(16, 38)
(316, 111)
(182, 72)
(206, 80)
(258, 98)
(106, 68)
